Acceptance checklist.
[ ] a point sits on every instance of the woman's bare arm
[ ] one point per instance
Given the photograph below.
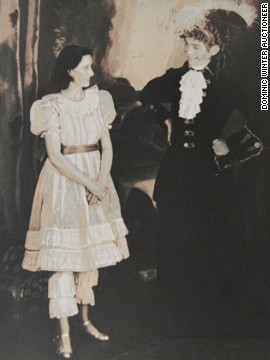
(106, 157)
(64, 166)
(105, 167)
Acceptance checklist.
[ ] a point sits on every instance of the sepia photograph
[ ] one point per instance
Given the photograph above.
(135, 180)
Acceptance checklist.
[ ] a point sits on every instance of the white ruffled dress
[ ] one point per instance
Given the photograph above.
(65, 233)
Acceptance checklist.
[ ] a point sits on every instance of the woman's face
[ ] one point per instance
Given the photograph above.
(83, 72)
(198, 53)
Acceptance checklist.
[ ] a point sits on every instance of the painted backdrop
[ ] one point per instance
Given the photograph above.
(132, 39)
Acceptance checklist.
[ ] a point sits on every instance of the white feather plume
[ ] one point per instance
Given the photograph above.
(194, 14)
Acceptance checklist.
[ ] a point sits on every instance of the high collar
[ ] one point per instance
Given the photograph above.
(207, 72)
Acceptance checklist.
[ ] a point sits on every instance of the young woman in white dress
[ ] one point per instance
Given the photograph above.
(76, 225)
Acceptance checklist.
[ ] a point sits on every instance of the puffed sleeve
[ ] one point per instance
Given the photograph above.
(44, 118)
(107, 109)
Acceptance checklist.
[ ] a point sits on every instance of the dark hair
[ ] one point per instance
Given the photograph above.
(222, 28)
(68, 59)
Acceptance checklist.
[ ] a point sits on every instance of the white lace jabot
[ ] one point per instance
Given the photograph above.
(192, 85)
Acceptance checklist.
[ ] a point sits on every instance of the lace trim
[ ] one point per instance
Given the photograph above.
(85, 296)
(63, 307)
(53, 259)
(120, 228)
(87, 278)
(122, 245)
(30, 260)
(87, 105)
(75, 238)
(191, 86)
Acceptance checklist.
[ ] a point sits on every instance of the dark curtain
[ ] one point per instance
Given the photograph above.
(10, 123)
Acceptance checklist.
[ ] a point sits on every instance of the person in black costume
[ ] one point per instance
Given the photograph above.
(199, 247)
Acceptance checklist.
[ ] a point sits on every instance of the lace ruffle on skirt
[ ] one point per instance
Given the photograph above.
(61, 259)
(65, 233)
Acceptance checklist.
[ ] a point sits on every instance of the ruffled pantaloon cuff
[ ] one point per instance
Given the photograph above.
(61, 293)
(84, 284)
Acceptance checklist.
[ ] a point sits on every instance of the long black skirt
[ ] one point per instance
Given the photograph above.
(199, 258)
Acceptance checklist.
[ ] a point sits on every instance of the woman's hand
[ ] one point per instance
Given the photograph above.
(220, 147)
(100, 189)
(97, 193)
(91, 199)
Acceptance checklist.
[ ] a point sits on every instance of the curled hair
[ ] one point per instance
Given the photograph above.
(221, 28)
(68, 59)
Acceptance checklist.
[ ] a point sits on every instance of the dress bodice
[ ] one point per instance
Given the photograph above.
(78, 122)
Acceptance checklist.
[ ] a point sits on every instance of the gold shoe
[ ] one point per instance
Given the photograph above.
(63, 346)
(91, 330)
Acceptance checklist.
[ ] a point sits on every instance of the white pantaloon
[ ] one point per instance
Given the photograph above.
(67, 289)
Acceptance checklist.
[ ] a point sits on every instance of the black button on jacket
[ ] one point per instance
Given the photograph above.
(189, 165)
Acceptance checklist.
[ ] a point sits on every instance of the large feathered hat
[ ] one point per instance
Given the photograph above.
(219, 22)
(216, 22)
(199, 15)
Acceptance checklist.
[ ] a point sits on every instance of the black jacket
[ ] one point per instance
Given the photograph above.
(190, 153)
